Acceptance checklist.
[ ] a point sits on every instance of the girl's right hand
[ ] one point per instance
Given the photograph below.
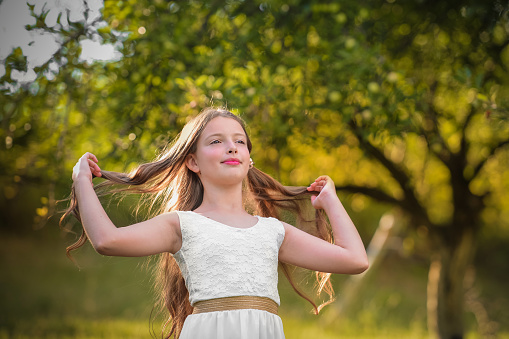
(86, 167)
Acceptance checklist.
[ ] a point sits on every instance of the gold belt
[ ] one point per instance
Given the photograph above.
(236, 303)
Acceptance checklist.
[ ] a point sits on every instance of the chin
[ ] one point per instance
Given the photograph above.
(232, 177)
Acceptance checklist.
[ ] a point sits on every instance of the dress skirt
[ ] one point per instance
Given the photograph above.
(234, 324)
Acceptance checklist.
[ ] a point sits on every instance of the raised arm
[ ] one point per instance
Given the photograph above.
(159, 234)
(347, 255)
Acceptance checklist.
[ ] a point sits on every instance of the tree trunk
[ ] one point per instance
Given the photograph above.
(387, 230)
(445, 299)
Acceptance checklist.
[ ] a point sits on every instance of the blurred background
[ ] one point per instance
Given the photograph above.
(403, 103)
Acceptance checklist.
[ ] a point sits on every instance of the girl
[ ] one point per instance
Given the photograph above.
(218, 263)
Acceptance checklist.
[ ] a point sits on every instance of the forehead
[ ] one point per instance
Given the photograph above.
(222, 125)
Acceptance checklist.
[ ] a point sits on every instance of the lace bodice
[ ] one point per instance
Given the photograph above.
(218, 260)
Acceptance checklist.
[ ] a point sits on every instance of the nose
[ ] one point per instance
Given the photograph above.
(232, 148)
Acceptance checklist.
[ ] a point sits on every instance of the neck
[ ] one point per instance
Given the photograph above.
(225, 199)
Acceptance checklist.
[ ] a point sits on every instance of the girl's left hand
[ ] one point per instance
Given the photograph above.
(327, 192)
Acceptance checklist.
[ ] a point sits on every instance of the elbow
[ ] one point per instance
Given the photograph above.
(352, 266)
(361, 267)
(104, 247)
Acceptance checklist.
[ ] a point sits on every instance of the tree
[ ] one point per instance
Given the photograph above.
(402, 103)
(455, 59)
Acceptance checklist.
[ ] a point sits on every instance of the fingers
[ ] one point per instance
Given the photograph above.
(320, 183)
(325, 192)
(90, 156)
(92, 160)
(87, 163)
(316, 186)
(93, 166)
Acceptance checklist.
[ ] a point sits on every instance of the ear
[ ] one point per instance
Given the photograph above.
(192, 164)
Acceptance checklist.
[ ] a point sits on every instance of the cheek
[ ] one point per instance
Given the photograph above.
(244, 149)
(211, 153)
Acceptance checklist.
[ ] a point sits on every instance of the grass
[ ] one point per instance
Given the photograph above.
(43, 295)
(68, 327)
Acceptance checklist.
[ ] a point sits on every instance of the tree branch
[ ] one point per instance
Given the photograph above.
(409, 202)
(479, 166)
(464, 146)
(371, 192)
(440, 155)
(434, 133)
(373, 151)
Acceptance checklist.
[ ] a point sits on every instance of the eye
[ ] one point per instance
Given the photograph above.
(241, 141)
(214, 142)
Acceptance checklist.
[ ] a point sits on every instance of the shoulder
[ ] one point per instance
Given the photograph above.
(183, 221)
(277, 226)
(181, 217)
(172, 220)
(291, 231)
(281, 225)
(171, 217)
(287, 227)
(273, 221)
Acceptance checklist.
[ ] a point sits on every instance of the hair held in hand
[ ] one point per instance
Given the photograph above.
(166, 184)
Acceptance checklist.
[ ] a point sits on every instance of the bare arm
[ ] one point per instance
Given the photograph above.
(159, 234)
(347, 255)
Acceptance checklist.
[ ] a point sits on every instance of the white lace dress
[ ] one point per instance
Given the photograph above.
(219, 261)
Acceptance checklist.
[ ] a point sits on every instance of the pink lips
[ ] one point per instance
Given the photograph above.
(232, 161)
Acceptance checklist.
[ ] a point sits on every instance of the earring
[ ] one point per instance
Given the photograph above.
(251, 163)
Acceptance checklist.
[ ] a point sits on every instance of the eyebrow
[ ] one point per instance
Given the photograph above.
(221, 134)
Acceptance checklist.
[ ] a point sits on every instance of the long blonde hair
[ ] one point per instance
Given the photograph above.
(168, 185)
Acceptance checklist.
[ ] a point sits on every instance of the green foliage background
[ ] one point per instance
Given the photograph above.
(395, 101)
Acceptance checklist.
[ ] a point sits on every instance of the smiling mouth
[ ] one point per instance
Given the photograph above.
(232, 161)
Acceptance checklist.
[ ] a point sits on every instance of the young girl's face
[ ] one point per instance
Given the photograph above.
(222, 155)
